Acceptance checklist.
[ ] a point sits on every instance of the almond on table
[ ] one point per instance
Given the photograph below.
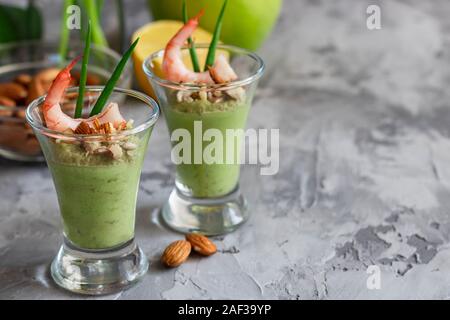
(201, 244)
(176, 253)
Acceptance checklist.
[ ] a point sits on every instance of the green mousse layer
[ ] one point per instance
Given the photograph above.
(208, 180)
(97, 193)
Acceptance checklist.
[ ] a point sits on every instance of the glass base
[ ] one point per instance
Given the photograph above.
(208, 216)
(97, 272)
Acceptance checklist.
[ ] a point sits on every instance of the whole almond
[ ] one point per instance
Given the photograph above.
(23, 79)
(28, 130)
(6, 112)
(13, 91)
(176, 253)
(36, 90)
(7, 102)
(32, 146)
(93, 80)
(48, 75)
(41, 83)
(201, 244)
(21, 113)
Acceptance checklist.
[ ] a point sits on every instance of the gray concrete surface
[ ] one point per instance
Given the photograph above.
(364, 180)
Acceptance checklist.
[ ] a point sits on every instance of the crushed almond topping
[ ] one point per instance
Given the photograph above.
(91, 147)
(129, 146)
(83, 128)
(203, 95)
(97, 125)
(122, 126)
(217, 96)
(108, 128)
(237, 94)
(116, 151)
(101, 150)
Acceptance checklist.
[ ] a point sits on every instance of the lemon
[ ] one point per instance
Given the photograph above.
(154, 36)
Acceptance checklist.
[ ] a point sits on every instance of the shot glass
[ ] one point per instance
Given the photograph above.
(206, 198)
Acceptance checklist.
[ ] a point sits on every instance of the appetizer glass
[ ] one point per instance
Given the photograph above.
(206, 198)
(96, 178)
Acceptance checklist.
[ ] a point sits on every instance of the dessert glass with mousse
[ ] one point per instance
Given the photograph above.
(96, 164)
(211, 107)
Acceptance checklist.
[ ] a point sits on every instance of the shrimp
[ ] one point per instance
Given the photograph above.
(110, 114)
(54, 117)
(221, 71)
(176, 71)
(57, 120)
(173, 65)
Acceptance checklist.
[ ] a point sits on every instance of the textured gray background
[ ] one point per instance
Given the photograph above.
(364, 178)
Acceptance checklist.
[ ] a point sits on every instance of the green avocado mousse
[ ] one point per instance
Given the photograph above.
(206, 108)
(97, 185)
(209, 180)
(95, 140)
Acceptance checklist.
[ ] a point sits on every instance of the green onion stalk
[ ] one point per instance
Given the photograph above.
(191, 43)
(215, 39)
(83, 75)
(109, 87)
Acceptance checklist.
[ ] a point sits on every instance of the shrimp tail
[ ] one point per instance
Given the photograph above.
(55, 118)
(199, 15)
(221, 71)
(185, 32)
(60, 84)
(74, 62)
(173, 65)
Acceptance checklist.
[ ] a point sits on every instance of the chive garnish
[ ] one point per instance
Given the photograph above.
(83, 75)
(109, 87)
(215, 40)
(191, 43)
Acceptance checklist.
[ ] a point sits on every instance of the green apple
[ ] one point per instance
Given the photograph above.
(246, 23)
